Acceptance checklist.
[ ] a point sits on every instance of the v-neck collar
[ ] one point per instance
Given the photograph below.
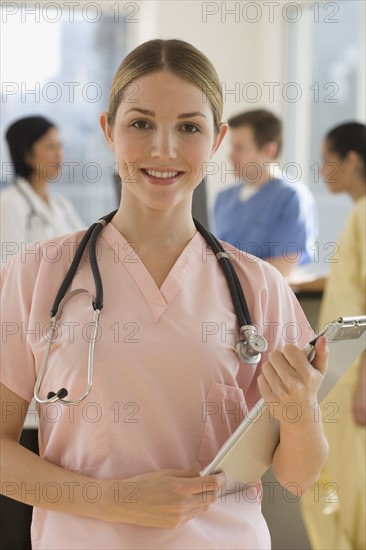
(157, 298)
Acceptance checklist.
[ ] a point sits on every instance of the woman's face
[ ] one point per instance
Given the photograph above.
(163, 137)
(335, 171)
(46, 157)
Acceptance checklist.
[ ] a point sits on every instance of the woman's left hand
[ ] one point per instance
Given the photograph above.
(288, 377)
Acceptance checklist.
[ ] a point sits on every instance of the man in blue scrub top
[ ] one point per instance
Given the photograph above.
(264, 214)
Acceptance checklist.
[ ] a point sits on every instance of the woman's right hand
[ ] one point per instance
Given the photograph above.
(165, 499)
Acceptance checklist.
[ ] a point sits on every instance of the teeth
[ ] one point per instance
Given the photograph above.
(161, 174)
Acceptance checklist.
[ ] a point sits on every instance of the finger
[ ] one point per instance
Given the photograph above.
(264, 389)
(296, 358)
(203, 501)
(194, 472)
(359, 415)
(320, 360)
(277, 373)
(210, 484)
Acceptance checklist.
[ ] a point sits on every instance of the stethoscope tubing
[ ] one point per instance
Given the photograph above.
(52, 397)
(90, 237)
(236, 291)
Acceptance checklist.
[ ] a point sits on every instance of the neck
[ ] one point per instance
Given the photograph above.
(357, 189)
(268, 173)
(40, 186)
(149, 228)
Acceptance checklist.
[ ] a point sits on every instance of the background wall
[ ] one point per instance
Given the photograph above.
(287, 57)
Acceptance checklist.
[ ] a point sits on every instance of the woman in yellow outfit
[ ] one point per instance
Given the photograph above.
(334, 510)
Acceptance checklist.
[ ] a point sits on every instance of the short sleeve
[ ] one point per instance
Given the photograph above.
(17, 360)
(297, 227)
(275, 312)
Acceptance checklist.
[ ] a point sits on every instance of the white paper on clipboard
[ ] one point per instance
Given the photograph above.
(248, 452)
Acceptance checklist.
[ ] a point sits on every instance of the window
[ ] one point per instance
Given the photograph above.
(60, 65)
(326, 58)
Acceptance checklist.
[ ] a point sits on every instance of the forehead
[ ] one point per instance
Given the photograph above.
(161, 90)
(51, 135)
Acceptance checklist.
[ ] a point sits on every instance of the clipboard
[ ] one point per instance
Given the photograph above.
(248, 452)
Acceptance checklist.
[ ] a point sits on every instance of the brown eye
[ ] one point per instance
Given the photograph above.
(190, 128)
(140, 124)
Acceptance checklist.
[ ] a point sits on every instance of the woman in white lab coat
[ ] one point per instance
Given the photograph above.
(28, 211)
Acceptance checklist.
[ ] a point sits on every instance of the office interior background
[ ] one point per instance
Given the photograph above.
(303, 60)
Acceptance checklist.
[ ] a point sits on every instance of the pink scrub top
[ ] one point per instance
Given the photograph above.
(168, 386)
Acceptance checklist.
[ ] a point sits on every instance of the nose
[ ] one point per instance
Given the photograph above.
(60, 155)
(164, 145)
(322, 168)
(326, 170)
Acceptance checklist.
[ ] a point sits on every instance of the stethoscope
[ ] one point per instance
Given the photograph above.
(248, 349)
(34, 214)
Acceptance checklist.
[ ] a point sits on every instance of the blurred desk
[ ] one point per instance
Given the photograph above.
(281, 509)
(309, 285)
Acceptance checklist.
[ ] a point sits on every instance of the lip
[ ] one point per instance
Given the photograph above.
(161, 181)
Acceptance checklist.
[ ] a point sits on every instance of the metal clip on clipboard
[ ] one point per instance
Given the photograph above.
(248, 452)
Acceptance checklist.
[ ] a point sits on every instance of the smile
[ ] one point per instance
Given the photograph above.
(164, 177)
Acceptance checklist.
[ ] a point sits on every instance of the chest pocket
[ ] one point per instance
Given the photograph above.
(222, 412)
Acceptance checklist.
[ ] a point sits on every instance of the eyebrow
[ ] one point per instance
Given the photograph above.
(151, 113)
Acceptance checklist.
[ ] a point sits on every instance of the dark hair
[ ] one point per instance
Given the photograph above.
(21, 136)
(176, 56)
(265, 125)
(347, 137)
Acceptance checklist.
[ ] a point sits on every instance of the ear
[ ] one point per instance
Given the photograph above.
(352, 160)
(107, 130)
(218, 140)
(270, 149)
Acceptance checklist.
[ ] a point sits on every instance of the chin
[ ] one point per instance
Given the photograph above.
(334, 190)
(54, 175)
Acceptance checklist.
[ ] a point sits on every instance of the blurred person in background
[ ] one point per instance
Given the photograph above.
(264, 214)
(29, 212)
(334, 511)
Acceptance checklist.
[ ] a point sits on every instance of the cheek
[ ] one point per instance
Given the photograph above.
(44, 158)
(200, 153)
(128, 157)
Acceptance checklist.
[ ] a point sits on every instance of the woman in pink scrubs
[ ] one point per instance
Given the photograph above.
(120, 469)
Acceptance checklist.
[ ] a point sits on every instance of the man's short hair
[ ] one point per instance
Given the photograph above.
(265, 125)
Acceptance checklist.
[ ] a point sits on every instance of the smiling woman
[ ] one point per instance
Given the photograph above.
(161, 151)
(135, 479)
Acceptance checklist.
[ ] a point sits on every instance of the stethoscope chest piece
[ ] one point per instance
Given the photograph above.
(249, 349)
(252, 346)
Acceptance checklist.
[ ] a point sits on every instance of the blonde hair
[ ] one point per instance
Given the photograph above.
(175, 56)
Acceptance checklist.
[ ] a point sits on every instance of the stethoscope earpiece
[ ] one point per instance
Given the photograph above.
(250, 349)
(59, 395)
